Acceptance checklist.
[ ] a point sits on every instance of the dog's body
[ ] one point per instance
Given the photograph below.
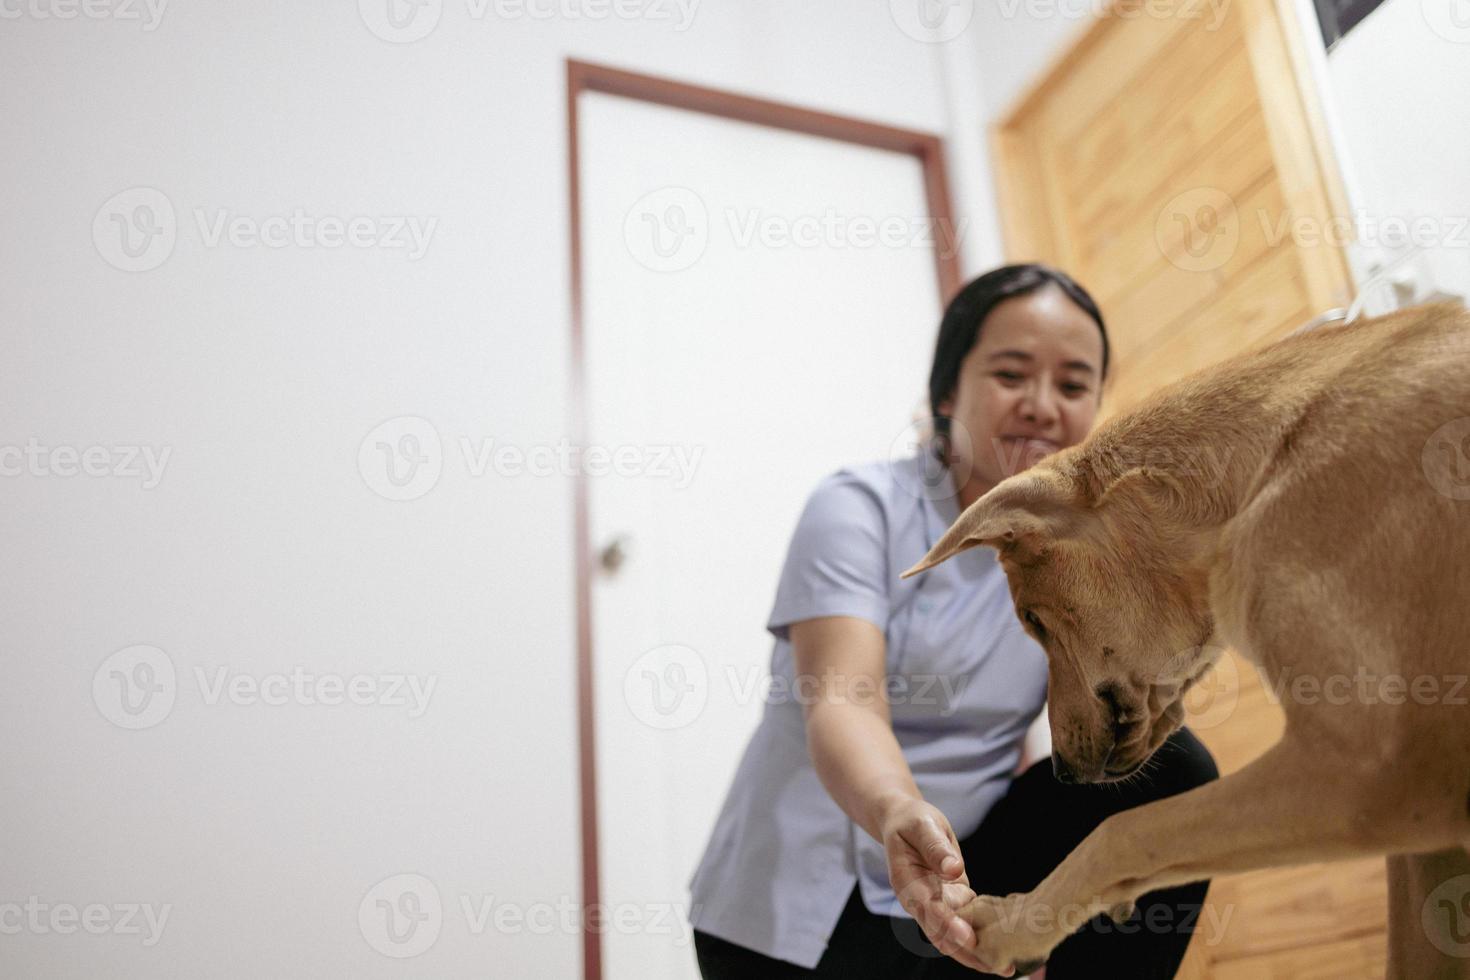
(1307, 504)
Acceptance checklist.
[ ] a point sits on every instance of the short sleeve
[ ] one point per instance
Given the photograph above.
(837, 564)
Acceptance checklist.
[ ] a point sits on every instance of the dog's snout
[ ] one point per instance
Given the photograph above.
(1063, 770)
(1093, 747)
(1118, 709)
(1089, 771)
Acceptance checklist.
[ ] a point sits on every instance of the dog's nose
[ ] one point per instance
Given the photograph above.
(1116, 712)
(1063, 770)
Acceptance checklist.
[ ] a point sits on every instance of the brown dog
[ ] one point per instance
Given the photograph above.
(1307, 504)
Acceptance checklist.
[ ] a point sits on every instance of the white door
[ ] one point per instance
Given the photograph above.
(761, 309)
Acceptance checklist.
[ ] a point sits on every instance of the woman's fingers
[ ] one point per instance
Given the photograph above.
(927, 907)
(924, 898)
(964, 951)
(957, 933)
(939, 849)
(958, 894)
(928, 875)
(933, 904)
(934, 910)
(958, 940)
(954, 849)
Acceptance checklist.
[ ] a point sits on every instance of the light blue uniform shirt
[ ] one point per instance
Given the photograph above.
(964, 683)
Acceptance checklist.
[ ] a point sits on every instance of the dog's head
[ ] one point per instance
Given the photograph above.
(1108, 581)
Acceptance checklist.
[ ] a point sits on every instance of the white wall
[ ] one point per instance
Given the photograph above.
(264, 546)
(1018, 40)
(1397, 87)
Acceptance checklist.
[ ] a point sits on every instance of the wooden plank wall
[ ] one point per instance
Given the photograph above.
(1161, 162)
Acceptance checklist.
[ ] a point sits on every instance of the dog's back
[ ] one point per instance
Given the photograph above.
(1354, 535)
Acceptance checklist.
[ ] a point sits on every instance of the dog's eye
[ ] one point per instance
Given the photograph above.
(1035, 623)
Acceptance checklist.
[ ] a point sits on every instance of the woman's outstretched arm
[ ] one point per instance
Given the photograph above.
(841, 674)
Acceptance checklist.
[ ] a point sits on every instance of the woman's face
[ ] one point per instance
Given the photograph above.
(1031, 385)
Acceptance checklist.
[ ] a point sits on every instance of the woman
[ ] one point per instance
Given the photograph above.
(852, 818)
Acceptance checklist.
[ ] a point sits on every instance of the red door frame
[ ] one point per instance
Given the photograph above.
(585, 77)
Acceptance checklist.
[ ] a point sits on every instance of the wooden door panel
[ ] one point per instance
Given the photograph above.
(1125, 165)
(1119, 257)
(1180, 140)
(1142, 108)
(1087, 83)
(1261, 303)
(1171, 293)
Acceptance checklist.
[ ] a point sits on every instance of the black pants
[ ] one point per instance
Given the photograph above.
(1023, 837)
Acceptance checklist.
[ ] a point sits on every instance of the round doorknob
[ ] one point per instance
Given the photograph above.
(613, 555)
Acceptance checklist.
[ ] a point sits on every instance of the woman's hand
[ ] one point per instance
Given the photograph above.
(928, 876)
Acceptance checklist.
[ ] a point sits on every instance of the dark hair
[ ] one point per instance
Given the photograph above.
(959, 331)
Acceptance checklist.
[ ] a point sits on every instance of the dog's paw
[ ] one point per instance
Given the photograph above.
(1008, 935)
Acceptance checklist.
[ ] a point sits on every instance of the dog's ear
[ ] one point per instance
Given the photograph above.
(1014, 518)
(1159, 490)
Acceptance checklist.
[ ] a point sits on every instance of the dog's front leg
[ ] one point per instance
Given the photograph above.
(1290, 806)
